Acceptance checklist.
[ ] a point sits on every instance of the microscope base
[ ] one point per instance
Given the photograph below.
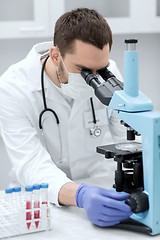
(132, 225)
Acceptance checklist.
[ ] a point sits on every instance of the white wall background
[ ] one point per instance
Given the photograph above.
(13, 50)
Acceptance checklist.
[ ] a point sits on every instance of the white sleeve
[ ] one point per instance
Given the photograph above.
(30, 160)
(118, 131)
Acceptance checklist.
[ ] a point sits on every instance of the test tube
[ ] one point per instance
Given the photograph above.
(44, 195)
(9, 198)
(36, 200)
(17, 197)
(28, 195)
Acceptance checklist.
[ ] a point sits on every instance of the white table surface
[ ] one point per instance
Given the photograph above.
(71, 223)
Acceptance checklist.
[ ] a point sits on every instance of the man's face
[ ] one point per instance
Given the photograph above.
(84, 56)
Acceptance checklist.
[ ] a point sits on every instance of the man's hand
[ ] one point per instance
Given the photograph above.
(103, 207)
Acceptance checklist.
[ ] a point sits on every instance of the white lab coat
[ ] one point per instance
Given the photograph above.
(37, 157)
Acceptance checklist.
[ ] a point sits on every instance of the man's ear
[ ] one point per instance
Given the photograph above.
(54, 55)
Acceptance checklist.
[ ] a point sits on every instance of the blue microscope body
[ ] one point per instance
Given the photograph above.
(142, 177)
(135, 109)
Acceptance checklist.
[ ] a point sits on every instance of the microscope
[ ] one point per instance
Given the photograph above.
(138, 164)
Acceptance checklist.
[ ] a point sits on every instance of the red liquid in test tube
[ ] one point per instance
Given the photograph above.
(44, 195)
(28, 194)
(36, 199)
(36, 212)
(28, 214)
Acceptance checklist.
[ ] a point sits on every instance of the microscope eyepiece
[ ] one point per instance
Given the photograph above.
(89, 76)
(105, 73)
(109, 76)
(131, 44)
(131, 40)
(103, 90)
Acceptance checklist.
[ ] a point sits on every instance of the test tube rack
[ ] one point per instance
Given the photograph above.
(13, 221)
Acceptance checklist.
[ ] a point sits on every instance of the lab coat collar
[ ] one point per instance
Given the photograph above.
(34, 65)
(54, 93)
(79, 103)
(34, 76)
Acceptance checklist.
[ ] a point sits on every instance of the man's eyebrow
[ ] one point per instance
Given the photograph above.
(83, 67)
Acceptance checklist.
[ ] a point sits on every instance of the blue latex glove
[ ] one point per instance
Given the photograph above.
(103, 207)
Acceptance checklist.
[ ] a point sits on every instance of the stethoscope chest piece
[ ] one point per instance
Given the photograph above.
(95, 131)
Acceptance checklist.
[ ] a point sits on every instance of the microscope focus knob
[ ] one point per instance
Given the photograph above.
(138, 202)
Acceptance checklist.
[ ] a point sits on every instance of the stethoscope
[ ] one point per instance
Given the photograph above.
(94, 131)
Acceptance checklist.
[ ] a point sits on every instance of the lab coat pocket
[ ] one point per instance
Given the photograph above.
(95, 133)
(51, 135)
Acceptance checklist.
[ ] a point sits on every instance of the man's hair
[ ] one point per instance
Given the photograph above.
(82, 24)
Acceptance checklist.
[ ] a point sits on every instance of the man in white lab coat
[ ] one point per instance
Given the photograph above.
(60, 153)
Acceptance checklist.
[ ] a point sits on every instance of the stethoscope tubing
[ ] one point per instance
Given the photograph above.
(44, 98)
(46, 109)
